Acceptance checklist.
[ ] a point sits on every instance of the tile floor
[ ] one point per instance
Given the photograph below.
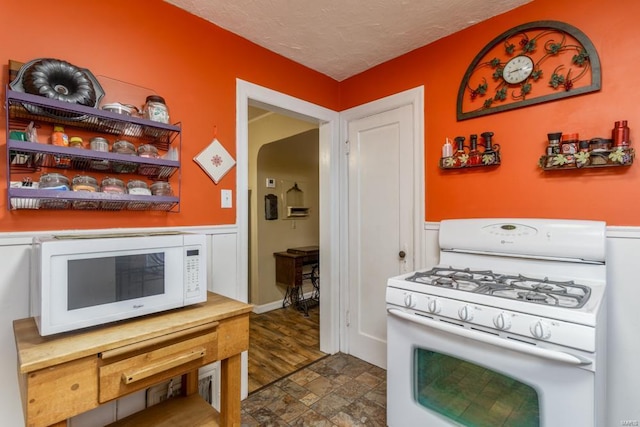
(336, 391)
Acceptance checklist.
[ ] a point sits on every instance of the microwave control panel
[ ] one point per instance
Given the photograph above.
(192, 272)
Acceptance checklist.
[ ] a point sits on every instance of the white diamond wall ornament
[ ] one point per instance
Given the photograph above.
(215, 160)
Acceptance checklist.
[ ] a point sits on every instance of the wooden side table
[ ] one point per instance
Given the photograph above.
(66, 374)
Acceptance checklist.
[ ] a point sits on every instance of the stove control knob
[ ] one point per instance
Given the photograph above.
(540, 330)
(434, 306)
(465, 313)
(502, 321)
(408, 301)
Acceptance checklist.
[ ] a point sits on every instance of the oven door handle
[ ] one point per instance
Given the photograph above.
(490, 339)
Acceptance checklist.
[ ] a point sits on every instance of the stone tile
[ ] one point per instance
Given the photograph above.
(339, 390)
(262, 398)
(288, 408)
(367, 412)
(378, 395)
(266, 418)
(320, 386)
(310, 399)
(352, 390)
(329, 405)
(292, 388)
(303, 376)
(311, 419)
(368, 379)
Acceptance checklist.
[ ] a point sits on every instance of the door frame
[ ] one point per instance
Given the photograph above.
(329, 173)
(415, 98)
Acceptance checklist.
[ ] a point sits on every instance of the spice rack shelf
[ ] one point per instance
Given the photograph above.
(443, 164)
(594, 159)
(27, 158)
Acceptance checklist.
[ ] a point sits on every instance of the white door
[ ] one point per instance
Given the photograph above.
(381, 222)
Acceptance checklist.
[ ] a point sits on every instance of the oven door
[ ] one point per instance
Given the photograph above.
(442, 374)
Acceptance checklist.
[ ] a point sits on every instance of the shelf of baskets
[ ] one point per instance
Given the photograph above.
(26, 159)
(588, 159)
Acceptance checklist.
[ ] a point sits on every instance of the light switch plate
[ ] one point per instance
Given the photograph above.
(271, 183)
(226, 199)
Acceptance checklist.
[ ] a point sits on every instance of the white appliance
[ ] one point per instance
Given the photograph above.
(507, 330)
(82, 281)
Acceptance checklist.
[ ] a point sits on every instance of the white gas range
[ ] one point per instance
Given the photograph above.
(520, 301)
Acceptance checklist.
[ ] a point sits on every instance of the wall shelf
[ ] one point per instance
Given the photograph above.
(27, 158)
(589, 160)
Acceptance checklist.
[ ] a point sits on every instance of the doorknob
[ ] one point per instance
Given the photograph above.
(402, 254)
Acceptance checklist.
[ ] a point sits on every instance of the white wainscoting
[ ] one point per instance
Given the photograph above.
(15, 251)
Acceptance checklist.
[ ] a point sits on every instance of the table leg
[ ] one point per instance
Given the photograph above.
(230, 391)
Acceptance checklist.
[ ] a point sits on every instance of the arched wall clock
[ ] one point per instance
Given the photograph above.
(529, 64)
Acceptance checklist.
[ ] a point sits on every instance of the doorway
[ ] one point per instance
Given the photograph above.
(329, 147)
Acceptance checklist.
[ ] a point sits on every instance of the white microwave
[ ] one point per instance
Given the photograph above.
(83, 281)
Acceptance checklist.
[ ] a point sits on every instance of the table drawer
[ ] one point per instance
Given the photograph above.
(126, 370)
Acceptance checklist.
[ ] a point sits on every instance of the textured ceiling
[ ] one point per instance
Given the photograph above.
(341, 38)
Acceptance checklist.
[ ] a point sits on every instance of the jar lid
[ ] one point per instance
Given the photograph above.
(124, 147)
(84, 179)
(58, 128)
(155, 98)
(112, 181)
(136, 183)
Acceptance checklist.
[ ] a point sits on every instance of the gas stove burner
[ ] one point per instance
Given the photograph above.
(445, 282)
(532, 296)
(518, 287)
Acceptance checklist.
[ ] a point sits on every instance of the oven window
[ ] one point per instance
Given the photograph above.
(472, 395)
(97, 281)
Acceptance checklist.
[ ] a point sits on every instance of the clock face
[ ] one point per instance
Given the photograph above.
(518, 69)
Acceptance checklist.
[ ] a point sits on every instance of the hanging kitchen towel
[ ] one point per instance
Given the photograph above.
(215, 160)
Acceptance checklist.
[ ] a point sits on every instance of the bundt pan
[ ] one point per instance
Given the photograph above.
(57, 79)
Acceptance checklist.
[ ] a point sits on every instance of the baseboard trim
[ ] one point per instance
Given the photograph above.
(263, 308)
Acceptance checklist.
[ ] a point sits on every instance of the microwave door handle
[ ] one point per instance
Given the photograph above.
(490, 339)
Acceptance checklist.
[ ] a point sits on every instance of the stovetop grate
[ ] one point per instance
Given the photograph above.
(566, 294)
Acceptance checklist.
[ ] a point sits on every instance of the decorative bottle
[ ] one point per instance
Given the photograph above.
(460, 156)
(620, 134)
(489, 156)
(475, 157)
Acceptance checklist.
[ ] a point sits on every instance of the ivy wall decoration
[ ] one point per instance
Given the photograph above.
(529, 64)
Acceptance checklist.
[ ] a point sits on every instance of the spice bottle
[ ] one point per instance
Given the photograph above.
(447, 149)
(58, 137)
(554, 143)
(489, 156)
(460, 156)
(474, 155)
(620, 134)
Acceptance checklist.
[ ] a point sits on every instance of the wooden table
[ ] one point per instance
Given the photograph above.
(66, 374)
(289, 272)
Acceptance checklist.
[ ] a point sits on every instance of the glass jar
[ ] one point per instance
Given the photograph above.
(151, 152)
(113, 186)
(156, 109)
(85, 183)
(136, 186)
(161, 188)
(76, 142)
(127, 148)
(101, 144)
(140, 188)
(54, 181)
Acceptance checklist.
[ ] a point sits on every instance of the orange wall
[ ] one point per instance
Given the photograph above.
(518, 187)
(194, 64)
(149, 43)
